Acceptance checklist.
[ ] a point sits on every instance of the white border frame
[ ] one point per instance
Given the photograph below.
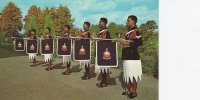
(37, 46)
(116, 56)
(15, 45)
(74, 51)
(41, 46)
(57, 48)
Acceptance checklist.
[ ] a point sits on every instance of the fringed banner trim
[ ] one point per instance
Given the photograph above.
(48, 57)
(84, 63)
(66, 59)
(32, 56)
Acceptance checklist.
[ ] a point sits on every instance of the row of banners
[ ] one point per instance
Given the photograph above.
(106, 52)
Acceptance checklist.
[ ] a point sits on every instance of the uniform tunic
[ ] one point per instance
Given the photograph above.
(85, 34)
(130, 55)
(104, 34)
(31, 56)
(48, 57)
(66, 58)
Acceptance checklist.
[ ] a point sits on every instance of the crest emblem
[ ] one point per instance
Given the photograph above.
(19, 45)
(64, 47)
(32, 47)
(82, 51)
(47, 47)
(106, 55)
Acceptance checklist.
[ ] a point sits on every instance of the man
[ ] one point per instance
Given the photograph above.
(67, 59)
(130, 55)
(32, 56)
(48, 57)
(86, 64)
(104, 34)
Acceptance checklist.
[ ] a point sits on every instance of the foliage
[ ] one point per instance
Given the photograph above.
(116, 30)
(33, 24)
(48, 22)
(11, 21)
(149, 49)
(2, 38)
(94, 29)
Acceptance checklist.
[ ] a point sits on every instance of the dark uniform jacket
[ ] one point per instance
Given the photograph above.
(105, 34)
(33, 37)
(66, 35)
(131, 53)
(86, 34)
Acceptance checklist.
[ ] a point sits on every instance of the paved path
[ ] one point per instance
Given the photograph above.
(19, 81)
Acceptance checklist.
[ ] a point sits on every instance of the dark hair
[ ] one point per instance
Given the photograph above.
(33, 30)
(104, 20)
(133, 17)
(67, 26)
(49, 29)
(87, 23)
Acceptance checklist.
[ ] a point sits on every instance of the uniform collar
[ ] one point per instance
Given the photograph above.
(104, 28)
(132, 28)
(85, 31)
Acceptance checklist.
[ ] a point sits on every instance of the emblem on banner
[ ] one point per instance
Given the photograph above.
(19, 45)
(82, 51)
(106, 55)
(64, 47)
(32, 47)
(47, 47)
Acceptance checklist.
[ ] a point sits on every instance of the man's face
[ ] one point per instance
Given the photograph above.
(85, 27)
(47, 31)
(32, 33)
(66, 30)
(101, 24)
(130, 23)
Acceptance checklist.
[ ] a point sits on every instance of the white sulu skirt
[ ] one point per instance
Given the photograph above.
(99, 69)
(31, 56)
(132, 68)
(83, 63)
(66, 59)
(48, 57)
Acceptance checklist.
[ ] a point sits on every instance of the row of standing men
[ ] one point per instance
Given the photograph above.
(132, 69)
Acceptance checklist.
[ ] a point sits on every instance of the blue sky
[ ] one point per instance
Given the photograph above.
(91, 10)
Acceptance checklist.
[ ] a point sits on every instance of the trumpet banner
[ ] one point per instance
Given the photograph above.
(47, 46)
(64, 46)
(32, 46)
(106, 54)
(19, 44)
(82, 50)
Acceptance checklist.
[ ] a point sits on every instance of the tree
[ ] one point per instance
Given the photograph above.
(116, 30)
(2, 38)
(33, 24)
(148, 27)
(61, 16)
(95, 29)
(11, 20)
(49, 23)
(151, 26)
(33, 11)
(0, 22)
(150, 48)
